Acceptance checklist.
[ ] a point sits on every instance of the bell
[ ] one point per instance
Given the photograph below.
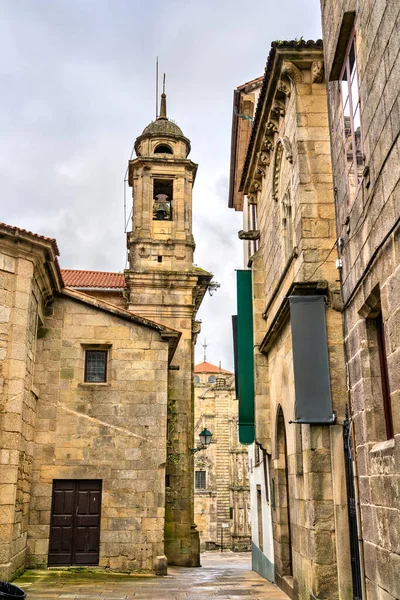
(161, 210)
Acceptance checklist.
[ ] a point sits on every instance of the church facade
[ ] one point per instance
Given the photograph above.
(96, 372)
(222, 493)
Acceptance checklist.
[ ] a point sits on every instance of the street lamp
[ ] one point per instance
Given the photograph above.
(205, 439)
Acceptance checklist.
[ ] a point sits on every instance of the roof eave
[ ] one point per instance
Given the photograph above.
(172, 336)
(235, 118)
(293, 51)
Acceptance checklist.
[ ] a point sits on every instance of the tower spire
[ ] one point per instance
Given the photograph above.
(163, 106)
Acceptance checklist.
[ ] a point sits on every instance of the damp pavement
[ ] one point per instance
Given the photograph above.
(225, 575)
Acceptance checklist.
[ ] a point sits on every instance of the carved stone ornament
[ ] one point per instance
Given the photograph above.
(263, 159)
(271, 128)
(278, 108)
(287, 148)
(293, 72)
(196, 327)
(252, 235)
(317, 71)
(282, 147)
(256, 186)
(284, 88)
(259, 172)
(267, 144)
(252, 199)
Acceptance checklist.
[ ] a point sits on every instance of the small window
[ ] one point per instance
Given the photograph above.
(212, 379)
(162, 197)
(378, 331)
(163, 149)
(196, 379)
(231, 512)
(200, 480)
(96, 366)
(352, 137)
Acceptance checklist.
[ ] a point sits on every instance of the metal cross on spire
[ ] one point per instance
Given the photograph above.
(205, 350)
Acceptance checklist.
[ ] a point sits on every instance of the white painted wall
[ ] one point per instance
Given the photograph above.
(256, 476)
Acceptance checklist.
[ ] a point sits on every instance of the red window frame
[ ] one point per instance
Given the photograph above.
(351, 119)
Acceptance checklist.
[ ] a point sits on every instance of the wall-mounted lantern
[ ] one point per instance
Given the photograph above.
(205, 440)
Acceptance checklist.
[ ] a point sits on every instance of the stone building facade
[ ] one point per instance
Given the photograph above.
(362, 65)
(96, 420)
(298, 498)
(222, 494)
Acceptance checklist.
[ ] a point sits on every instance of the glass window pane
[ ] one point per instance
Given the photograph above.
(357, 135)
(355, 99)
(352, 59)
(200, 480)
(344, 88)
(351, 178)
(95, 366)
(352, 122)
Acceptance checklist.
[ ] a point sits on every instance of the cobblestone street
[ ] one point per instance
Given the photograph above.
(223, 576)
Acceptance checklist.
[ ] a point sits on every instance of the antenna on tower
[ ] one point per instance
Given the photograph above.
(205, 345)
(157, 87)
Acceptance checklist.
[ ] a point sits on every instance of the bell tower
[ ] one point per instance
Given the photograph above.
(162, 178)
(164, 285)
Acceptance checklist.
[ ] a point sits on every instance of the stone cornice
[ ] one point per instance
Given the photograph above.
(147, 161)
(39, 250)
(283, 70)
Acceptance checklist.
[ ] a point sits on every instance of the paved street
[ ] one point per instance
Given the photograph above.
(222, 576)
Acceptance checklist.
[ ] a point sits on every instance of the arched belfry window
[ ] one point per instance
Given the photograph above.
(162, 197)
(163, 149)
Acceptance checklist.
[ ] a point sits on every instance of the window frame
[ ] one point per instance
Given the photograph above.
(204, 472)
(165, 184)
(163, 145)
(384, 374)
(346, 70)
(85, 376)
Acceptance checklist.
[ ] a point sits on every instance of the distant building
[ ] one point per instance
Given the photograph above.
(362, 65)
(222, 496)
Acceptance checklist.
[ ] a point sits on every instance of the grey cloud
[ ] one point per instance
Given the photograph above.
(77, 87)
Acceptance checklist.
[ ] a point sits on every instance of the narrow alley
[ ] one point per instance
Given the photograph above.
(223, 576)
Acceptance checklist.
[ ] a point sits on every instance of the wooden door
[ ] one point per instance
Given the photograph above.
(75, 522)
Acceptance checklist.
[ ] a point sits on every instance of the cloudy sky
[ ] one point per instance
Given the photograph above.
(77, 88)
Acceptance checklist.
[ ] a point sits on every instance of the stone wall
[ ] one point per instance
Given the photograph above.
(296, 218)
(115, 431)
(369, 228)
(21, 304)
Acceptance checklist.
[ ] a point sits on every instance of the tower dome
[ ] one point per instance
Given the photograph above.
(162, 129)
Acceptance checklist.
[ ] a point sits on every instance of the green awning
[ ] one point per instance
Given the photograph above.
(245, 357)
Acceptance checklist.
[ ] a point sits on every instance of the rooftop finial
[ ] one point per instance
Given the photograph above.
(205, 350)
(163, 106)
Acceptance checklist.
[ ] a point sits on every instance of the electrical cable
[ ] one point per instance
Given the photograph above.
(323, 262)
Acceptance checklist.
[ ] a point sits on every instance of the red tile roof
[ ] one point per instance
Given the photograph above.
(92, 279)
(19, 230)
(206, 367)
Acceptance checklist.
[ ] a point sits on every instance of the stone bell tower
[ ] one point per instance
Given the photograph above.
(164, 285)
